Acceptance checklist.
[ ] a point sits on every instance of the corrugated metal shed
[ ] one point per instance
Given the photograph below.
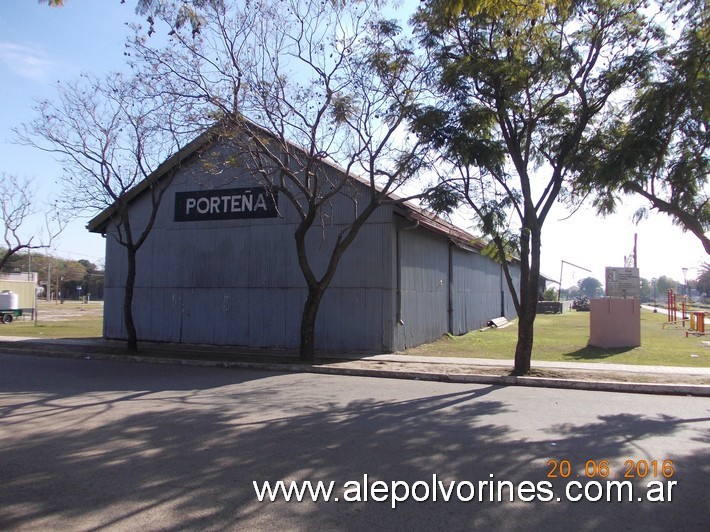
(407, 278)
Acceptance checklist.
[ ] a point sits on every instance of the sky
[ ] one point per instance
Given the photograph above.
(41, 47)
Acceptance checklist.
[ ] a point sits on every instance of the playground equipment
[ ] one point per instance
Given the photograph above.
(673, 308)
(696, 320)
(697, 324)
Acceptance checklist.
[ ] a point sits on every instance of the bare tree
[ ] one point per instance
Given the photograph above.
(17, 206)
(110, 135)
(297, 86)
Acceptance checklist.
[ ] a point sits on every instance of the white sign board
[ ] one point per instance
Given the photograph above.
(623, 283)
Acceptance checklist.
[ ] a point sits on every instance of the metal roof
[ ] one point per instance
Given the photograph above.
(408, 209)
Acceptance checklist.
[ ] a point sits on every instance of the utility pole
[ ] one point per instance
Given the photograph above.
(654, 292)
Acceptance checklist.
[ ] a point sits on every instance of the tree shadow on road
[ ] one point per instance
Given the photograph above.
(186, 456)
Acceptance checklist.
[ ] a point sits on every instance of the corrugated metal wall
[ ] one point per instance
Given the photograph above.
(445, 288)
(237, 282)
(424, 285)
(509, 305)
(478, 294)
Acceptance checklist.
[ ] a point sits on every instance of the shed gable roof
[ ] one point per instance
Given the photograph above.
(408, 209)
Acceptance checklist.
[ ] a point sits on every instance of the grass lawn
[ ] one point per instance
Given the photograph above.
(70, 319)
(563, 337)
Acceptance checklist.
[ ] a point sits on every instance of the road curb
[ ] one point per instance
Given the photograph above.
(697, 390)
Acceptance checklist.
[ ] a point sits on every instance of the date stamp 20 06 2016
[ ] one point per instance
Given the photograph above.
(603, 469)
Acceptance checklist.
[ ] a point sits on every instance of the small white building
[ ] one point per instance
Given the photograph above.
(24, 285)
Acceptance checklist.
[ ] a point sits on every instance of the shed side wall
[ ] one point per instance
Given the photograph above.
(445, 288)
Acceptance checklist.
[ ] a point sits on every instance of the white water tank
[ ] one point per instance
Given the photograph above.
(9, 300)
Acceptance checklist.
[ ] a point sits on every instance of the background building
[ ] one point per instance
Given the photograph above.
(24, 286)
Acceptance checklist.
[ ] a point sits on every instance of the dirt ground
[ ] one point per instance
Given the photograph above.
(69, 310)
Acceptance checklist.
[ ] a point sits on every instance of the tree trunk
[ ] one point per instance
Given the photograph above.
(131, 335)
(308, 323)
(317, 287)
(523, 349)
(526, 328)
(530, 250)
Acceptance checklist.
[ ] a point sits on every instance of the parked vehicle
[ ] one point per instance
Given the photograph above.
(6, 316)
(581, 303)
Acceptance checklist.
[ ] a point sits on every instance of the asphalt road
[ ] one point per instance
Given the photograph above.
(89, 445)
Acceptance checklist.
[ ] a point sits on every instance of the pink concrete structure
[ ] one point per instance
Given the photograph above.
(614, 323)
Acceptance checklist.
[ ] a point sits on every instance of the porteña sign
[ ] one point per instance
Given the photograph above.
(226, 204)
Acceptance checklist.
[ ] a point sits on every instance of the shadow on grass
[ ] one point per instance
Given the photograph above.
(596, 353)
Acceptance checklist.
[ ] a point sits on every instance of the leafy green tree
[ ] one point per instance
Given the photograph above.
(550, 294)
(522, 87)
(662, 151)
(72, 270)
(703, 280)
(646, 289)
(89, 266)
(590, 287)
(570, 293)
(663, 284)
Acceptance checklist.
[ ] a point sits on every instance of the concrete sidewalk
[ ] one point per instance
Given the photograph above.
(668, 380)
(539, 364)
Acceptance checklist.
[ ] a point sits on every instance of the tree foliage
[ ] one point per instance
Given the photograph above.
(659, 147)
(524, 86)
(590, 287)
(550, 294)
(703, 279)
(665, 283)
(68, 272)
